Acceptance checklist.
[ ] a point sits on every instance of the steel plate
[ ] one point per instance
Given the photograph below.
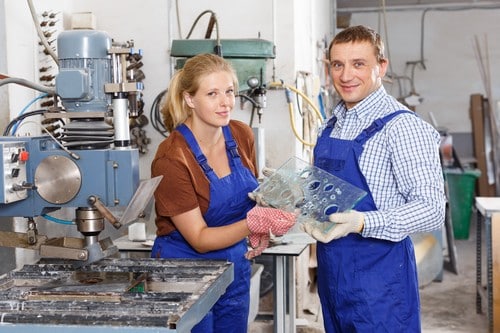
(171, 295)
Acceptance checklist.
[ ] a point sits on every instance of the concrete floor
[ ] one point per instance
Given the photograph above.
(447, 306)
(450, 305)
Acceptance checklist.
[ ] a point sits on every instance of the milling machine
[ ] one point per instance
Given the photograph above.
(79, 284)
(92, 165)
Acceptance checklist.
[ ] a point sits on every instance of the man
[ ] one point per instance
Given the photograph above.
(367, 275)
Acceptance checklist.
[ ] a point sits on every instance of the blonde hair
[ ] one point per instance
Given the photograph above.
(175, 111)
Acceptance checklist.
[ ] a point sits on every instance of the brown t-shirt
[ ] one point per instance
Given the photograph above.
(184, 185)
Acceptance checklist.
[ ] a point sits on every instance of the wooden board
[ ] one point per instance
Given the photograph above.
(478, 115)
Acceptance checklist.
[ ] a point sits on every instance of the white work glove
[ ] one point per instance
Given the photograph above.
(257, 197)
(268, 172)
(345, 223)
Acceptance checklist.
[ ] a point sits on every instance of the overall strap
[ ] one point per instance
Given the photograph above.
(195, 148)
(329, 126)
(376, 126)
(231, 146)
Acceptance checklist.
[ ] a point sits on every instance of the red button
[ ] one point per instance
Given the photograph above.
(24, 156)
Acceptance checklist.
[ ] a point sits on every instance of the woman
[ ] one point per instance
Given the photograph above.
(208, 167)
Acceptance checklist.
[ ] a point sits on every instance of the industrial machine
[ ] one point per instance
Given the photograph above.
(247, 56)
(79, 284)
(92, 165)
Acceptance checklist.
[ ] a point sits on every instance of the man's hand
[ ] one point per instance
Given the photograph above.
(344, 224)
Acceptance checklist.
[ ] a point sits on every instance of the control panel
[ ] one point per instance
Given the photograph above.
(13, 177)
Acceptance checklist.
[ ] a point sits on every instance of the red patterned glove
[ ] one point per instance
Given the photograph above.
(259, 243)
(264, 221)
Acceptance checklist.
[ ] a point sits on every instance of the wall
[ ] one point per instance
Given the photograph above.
(296, 27)
(452, 72)
(20, 55)
(153, 25)
(4, 97)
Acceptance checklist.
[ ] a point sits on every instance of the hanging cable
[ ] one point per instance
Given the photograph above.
(155, 115)
(297, 99)
(384, 13)
(178, 17)
(321, 106)
(28, 84)
(255, 105)
(295, 90)
(14, 128)
(57, 220)
(213, 19)
(14, 121)
(289, 100)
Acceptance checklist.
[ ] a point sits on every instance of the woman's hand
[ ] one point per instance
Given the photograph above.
(264, 221)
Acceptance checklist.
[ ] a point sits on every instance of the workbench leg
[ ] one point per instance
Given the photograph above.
(291, 293)
(279, 293)
(489, 272)
(479, 282)
(495, 248)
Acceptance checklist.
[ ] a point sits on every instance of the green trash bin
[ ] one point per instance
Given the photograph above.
(461, 190)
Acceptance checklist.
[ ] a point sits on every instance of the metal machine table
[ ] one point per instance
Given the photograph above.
(283, 268)
(284, 279)
(126, 295)
(488, 211)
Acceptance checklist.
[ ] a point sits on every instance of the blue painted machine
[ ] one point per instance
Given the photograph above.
(91, 164)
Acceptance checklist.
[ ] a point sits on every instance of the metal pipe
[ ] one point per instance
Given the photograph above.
(456, 6)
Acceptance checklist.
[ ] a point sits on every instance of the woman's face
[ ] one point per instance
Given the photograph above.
(214, 100)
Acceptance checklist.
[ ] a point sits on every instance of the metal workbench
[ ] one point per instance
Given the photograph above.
(488, 210)
(293, 244)
(284, 294)
(119, 295)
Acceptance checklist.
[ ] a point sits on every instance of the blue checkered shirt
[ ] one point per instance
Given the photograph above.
(401, 165)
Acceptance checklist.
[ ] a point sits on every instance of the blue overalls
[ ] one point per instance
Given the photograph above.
(229, 203)
(364, 284)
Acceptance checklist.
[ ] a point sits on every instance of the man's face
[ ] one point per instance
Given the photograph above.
(355, 71)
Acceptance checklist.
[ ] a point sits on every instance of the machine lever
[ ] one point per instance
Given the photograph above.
(97, 204)
(23, 186)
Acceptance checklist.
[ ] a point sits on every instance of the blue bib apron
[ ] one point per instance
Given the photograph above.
(229, 203)
(364, 284)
